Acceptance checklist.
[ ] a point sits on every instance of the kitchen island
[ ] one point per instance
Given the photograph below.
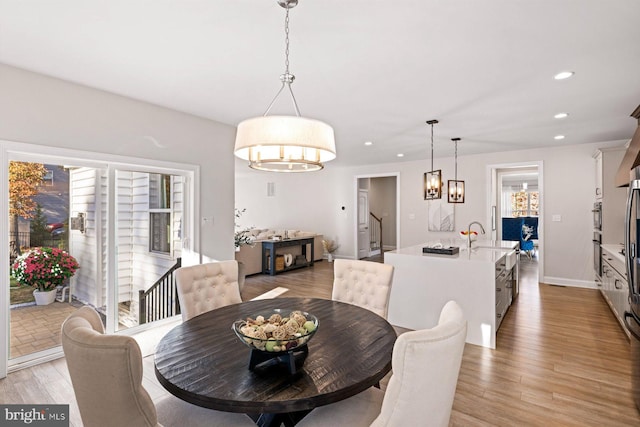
(480, 279)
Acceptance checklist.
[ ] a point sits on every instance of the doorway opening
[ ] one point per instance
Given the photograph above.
(377, 224)
(516, 196)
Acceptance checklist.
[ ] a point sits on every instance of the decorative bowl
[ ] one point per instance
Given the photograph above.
(277, 330)
(466, 236)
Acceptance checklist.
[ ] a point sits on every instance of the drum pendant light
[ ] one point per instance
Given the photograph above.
(285, 143)
(433, 178)
(455, 188)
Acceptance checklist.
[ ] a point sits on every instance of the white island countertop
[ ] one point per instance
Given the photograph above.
(481, 250)
(424, 282)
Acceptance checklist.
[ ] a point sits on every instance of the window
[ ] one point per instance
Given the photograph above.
(524, 203)
(160, 213)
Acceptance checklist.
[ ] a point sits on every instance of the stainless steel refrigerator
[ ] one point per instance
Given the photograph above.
(632, 261)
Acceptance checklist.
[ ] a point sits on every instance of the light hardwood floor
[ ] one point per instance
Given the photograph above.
(561, 360)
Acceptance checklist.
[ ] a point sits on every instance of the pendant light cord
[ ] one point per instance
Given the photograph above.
(432, 146)
(456, 162)
(287, 78)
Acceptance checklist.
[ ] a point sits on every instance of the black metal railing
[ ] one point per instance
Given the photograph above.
(161, 299)
(375, 233)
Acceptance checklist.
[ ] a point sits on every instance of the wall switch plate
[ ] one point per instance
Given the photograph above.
(412, 216)
(556, 218)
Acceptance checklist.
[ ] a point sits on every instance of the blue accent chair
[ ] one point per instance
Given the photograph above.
(512, 230)
(532, 222)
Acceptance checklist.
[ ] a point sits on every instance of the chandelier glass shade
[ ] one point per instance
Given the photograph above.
(433, 178)
(455, 188)
(284, 143)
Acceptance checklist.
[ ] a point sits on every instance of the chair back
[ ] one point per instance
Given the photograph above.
(363, 283)
(512, 228)
(106, 373)
(425, 365)
(205, 287)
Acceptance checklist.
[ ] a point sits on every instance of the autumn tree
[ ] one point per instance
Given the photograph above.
(24, 179)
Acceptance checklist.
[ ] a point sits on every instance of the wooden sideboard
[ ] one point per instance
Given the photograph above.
(270, 254)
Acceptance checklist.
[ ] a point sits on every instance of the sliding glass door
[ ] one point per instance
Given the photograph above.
(124, 223)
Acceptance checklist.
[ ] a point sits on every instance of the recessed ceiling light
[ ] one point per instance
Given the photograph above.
(400, 155)
(563, 75)
(561, 115)
(368, 143)
(558, 137)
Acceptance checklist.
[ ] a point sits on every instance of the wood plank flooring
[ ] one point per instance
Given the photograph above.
(561, 360)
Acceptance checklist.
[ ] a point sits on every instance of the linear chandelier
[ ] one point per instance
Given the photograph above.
(285, 143)
(433, 178)
(455, 188)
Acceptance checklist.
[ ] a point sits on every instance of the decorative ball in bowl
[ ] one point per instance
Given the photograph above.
(276, 330)
(469, 236)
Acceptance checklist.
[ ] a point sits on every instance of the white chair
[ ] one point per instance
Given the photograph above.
(425, 364)
(106, 373)
(205, 287)
(363, 283)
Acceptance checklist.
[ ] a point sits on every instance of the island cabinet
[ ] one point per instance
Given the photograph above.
(504, 289)
(480, 280)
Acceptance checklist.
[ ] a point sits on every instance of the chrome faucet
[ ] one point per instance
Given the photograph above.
(469, 232)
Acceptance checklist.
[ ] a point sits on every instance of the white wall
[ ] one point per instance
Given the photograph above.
(41, 110)
(302, 201)
(315, 201)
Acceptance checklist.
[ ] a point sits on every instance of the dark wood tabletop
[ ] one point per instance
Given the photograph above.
(203, 362)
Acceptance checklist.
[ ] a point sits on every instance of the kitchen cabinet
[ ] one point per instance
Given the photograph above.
(504, 290)
(599, 172)
(613, 198)
(615, 289)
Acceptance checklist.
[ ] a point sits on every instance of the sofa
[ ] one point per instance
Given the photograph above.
(251, 255)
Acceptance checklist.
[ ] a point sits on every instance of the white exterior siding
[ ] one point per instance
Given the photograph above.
(137, 267)
(83, 246)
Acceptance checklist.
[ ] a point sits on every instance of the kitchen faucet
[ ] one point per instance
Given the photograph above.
(469, 232)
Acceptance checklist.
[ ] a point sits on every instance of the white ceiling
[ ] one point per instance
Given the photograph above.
(374, 70)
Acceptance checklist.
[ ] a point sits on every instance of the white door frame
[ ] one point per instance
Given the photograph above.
(355, 204)
(491, 190)
(10, 150)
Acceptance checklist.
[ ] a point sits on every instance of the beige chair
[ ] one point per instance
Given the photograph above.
(363, 283)
(106, 373)
(425, 364)
(205, 287)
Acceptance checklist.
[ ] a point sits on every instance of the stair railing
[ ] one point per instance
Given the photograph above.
(161, 299)
(375, 234)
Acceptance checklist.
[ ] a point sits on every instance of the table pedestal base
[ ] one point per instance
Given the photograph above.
(261, 359)
(277, 420)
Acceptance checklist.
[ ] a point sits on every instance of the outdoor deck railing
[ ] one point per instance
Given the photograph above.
(161, 299)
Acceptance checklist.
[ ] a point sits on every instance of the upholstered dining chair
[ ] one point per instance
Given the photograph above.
(205, 287)
(106, 373)
(363, 283)
(425, 365)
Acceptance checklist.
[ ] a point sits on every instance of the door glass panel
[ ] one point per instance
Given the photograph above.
(43, 219)
(149, 227)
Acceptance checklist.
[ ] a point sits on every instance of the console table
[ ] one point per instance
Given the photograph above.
(269, 253)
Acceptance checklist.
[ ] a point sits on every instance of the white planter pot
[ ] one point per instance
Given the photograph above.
(44, 297)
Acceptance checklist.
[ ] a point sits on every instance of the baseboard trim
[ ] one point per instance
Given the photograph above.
(562, 281)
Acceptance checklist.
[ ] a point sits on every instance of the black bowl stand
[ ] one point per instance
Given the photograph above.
(263, 359)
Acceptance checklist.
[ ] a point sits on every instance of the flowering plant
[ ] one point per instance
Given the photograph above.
(44, 268)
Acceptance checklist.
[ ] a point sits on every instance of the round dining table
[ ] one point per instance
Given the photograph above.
(203, 362)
